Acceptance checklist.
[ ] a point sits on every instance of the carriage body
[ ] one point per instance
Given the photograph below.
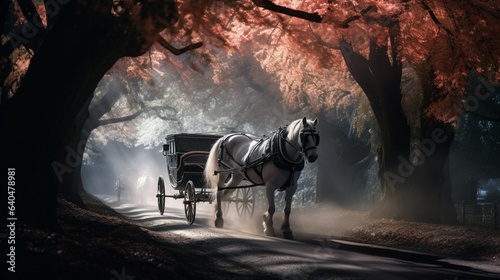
(186, 155)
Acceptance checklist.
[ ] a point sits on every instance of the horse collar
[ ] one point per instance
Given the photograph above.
(279, 154)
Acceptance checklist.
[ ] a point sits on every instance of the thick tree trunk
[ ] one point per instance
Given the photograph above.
(41, 117)
(409, 190)
(419, 187)
(394, 150)
(69, 171)
(40, 121)
(434, 145)
(71, 184)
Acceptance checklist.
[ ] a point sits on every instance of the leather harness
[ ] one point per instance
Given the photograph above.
(275, 151)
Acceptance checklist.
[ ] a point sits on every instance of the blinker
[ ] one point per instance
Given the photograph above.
(306, 133)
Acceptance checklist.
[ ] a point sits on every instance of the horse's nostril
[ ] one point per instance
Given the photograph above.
(312, 158)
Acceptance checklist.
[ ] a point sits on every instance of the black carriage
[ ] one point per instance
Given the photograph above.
(186, 155)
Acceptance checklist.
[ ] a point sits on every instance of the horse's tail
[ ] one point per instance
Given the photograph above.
(211, 178)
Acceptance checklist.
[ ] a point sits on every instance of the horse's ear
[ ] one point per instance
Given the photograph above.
(304, 122)
(315, 121)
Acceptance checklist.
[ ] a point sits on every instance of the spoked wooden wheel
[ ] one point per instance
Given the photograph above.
(244, 199)
(160, 195)
(225, 202)
(190, 202)
(225, 206)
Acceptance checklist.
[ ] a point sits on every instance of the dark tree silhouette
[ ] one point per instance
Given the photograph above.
(83, 39)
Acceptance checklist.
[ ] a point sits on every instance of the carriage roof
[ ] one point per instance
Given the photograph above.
(187, 142)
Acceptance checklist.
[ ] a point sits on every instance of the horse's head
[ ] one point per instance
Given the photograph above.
(309, 139)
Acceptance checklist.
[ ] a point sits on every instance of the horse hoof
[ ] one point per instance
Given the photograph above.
(269, 231)
(219, 223)
(287, 234)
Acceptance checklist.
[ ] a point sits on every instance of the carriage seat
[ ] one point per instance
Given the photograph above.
(193, 162)
(192, 168)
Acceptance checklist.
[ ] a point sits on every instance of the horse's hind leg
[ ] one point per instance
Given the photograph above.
(219, 221)
(235, 180)
(268, 216)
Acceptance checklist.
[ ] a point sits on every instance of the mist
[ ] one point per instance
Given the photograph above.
(132, 148)
(116, 159)
(345, 175)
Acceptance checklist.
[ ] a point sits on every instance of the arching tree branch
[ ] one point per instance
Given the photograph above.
(120, 119)
(176, 51)
(137, 114)
(268, 5)
(434, 18)
(345, 23)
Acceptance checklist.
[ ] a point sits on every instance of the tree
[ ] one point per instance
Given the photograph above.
(83, 40)
(377, 40)
(110, 90)
(82, 44)
(411, 171)
(86, 38)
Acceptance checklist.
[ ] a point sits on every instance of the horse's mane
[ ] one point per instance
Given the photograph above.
(294, 127)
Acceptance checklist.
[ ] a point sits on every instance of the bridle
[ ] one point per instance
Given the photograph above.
(304, 133)
(303, 137)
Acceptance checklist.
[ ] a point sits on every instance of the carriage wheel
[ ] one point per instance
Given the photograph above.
(244, 200)
(190, 202)
(225, 202)
(225, 206)
(161, 195)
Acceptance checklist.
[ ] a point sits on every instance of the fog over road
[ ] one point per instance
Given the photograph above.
(242, 247)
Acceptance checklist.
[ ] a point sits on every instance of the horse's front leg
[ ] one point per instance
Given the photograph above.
(268, 216)
(285, 227)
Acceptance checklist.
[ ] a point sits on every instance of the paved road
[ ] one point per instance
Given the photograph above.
(242, 247)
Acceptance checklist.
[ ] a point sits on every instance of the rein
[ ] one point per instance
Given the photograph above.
(282, 133)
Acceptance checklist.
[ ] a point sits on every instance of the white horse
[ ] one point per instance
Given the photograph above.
(146, 186)
(275, 161)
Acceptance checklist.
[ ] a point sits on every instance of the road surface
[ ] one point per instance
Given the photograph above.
(242, 247)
